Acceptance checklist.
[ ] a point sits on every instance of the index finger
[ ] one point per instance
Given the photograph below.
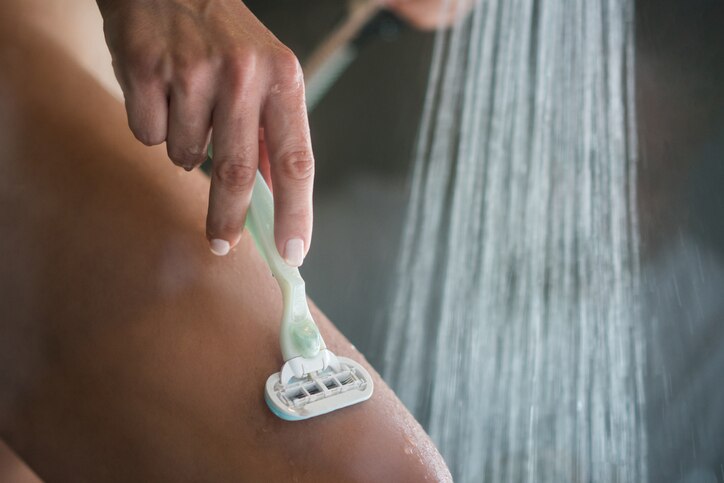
(287, 138)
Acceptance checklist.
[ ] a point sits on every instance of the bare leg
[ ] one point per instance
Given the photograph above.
(129, 352)
(75, 26)
(12, 470)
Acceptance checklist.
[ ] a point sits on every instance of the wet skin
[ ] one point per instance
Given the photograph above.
(128, 351)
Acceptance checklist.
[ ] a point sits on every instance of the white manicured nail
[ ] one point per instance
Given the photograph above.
(219, 247)
(294, 252)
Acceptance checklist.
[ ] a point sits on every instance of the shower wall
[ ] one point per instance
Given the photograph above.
(364, 132)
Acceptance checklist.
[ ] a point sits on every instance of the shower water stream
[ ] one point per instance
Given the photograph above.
(514, 335)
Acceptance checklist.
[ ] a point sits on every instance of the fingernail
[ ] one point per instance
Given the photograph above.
(294, 252)
(219, 247)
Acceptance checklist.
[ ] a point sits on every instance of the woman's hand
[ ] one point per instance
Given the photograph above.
(430, 14)
(186, 66)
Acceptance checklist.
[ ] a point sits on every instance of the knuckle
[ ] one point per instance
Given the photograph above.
(146, 136)
(184, 61)
(297, 165)
(145, 64)
(240, 65)
(289, 70)
(187, 81)
(190, 73)
(186, 156)
(288, 62)
(230, 228)
(235, 173)
(143, 128)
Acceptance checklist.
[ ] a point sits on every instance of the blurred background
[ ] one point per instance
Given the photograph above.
(680, 97)
(364, 133)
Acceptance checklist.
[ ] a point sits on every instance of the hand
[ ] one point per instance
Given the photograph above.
(429, 14)
(186, 66)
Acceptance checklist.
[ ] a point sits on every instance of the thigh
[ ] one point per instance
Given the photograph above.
(133, 354)
(12, 470)
(76, 27)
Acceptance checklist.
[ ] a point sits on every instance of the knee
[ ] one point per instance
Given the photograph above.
(379, 441)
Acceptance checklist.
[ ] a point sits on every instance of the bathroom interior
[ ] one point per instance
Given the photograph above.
(532, 344)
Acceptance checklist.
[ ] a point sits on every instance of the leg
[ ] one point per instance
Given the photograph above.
(12, 470)
(76, 27)
(132, 353)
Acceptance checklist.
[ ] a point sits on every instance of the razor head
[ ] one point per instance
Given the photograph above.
(319, 392)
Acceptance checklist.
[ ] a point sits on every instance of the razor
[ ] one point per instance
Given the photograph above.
(313, 380)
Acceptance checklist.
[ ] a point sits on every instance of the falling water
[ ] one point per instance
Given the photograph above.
(514, 334)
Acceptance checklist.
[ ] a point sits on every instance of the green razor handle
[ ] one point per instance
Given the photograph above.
(299, 334)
